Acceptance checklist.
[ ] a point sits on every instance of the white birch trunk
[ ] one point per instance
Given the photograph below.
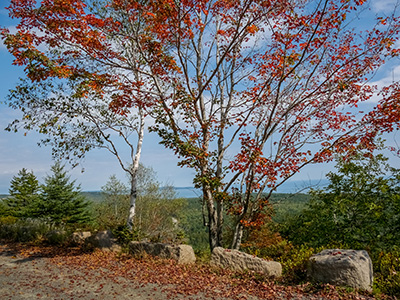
(134, 171)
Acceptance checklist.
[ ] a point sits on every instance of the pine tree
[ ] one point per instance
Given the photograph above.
(24, 193)
(62, 201)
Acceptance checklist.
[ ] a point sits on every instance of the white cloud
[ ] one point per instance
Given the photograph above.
(384, 6)
(392, 74)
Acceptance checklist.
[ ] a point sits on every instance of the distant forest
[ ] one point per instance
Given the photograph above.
(284, 204)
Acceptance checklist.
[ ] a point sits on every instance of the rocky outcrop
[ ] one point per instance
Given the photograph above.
(183, 254)
(351, 268)
(239, 261)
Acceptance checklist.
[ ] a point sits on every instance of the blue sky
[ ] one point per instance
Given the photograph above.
(18, 151)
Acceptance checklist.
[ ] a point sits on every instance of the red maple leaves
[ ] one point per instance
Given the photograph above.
(275, 81)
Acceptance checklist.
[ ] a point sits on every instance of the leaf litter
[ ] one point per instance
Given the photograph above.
(116, 273)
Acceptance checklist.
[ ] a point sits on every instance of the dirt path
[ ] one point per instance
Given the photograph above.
(39, 278)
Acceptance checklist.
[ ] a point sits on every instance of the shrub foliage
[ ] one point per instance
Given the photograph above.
(360, 208)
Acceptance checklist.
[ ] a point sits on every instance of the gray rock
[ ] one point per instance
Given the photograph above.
(103, 240)
(239, 261)
(352, 268)
(80, 237)
(183, 254)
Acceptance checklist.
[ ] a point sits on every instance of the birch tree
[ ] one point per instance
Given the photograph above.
(246, 93)
(75, 125)
(70, 92)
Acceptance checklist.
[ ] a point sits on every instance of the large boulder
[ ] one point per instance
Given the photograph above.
(239, 261)
(183, 254)
(352, 268)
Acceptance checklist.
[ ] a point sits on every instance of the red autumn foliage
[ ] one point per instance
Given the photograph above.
(245, 92)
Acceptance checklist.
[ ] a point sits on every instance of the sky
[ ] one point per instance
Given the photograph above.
(18, 151)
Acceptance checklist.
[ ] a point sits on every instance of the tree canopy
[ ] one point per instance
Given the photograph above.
(245, 92)
(360, 207)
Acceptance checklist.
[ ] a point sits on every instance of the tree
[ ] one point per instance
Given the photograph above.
(250, 92)
(245, 92)
(386, 114)
(24, 193)
(159, 211)
(78, 109)
(75, 125)
(61, 201)
(115, 205)
(359, 208)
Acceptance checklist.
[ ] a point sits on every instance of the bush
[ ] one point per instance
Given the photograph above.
(158, 213)
(387, 272)
(8, 220)
(23, 230)
(58, 237)
(267, 243)
(294, 258)
(113, 210)
(294, 262)
(360, 208)
(124, 235)
(13, 229)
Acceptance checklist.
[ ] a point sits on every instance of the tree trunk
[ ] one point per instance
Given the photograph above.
(237, 236)
(134, 170)
(213, 231)
(220, 219)
(132, 198)
(213, 222)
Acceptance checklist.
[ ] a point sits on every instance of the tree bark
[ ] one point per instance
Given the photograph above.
(237, 236)
(213, 223)
(134, 171)
(132, 201)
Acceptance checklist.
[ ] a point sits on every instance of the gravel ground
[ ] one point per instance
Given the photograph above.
(39, 278)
